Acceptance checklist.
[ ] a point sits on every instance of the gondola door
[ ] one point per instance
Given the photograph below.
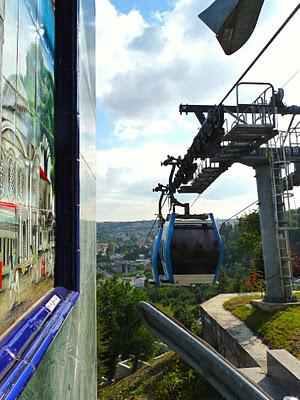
(191, 249)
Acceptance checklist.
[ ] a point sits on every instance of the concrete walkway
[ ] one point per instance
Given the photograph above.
(275, 391)
(245, 338)
(236, 328)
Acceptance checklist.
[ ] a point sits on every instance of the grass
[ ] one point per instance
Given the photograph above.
(278, 330)
(168, 378)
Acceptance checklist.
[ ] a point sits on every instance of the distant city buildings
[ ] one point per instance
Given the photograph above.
(102, 249)
(139, 281)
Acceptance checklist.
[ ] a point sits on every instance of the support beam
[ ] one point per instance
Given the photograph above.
(275, 291)
(241, 108)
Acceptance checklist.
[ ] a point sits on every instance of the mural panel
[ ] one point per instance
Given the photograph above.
(27, 215)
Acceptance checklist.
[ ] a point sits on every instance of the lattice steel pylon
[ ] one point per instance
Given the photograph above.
(281, 149)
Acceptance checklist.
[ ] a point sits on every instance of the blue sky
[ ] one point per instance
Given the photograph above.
(146, 7)
(151, 56)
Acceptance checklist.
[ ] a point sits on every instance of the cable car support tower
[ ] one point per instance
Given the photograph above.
(249, 133)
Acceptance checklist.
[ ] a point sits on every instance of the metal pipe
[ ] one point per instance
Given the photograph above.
(219, 372)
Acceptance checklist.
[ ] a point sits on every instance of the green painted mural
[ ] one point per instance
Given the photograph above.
(68, 370)
(27, 214)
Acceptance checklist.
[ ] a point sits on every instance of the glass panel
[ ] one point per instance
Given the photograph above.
(45, 92)
(46, 24)
(2, 8)
(27, 214)
(27, 56)
(10, 42)
(32, 6)
(87, 84)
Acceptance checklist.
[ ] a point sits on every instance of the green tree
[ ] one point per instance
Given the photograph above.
(181, 382)
(42, 92)
(249, 240)
(188, 316)
(101, 349)
(225, 283)
(112, 245)
(238, 278)
(122, 333)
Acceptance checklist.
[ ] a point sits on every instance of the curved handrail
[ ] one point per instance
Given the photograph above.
(218, 371)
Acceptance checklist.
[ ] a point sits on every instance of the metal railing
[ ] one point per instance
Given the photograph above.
(262, 110)
(218, 371)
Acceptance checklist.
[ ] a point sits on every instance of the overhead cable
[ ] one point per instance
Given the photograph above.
(251, 65)
(151, 229)
(195, 200)
(292, 77)
(262, 51)
(236, 214)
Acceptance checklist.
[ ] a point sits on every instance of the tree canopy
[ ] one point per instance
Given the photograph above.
(121, 332)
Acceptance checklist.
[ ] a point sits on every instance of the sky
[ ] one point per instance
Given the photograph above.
(153, 55)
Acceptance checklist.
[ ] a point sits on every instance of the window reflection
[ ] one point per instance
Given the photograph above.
(27, 215)
(10, 42)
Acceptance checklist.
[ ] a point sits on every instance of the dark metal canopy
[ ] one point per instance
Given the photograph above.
(233, 21)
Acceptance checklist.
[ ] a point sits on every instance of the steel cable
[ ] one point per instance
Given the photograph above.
(262, 51)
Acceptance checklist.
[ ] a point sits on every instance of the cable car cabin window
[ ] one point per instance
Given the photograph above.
(194, 247)
(27, 214)
(190, 250)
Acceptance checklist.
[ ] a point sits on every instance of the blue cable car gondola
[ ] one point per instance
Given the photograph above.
(156, 264)
(187, 250)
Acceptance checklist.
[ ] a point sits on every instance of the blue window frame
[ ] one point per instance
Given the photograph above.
(24, 345)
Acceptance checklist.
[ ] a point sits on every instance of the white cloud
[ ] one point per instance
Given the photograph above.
(114, 34)
(133, 129)
(230, 206)
(146, 69)
(127, 175)
(126, 209)
(135, 163)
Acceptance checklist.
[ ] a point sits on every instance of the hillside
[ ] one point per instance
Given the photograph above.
(124, 230)
(167, 378)
(277, 329)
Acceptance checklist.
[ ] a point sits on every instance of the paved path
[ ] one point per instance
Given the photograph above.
(236, 328)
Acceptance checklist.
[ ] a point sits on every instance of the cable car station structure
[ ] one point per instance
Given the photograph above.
(248, 134)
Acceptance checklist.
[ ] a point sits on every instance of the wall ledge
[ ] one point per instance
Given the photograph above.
(24, 346)
(285, 369)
